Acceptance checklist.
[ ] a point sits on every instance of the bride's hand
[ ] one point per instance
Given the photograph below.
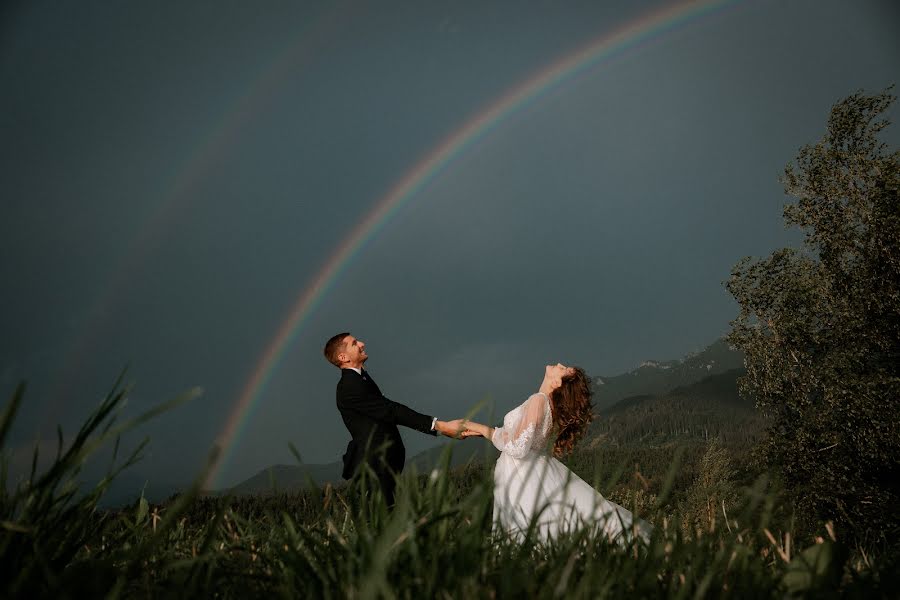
(471, 429)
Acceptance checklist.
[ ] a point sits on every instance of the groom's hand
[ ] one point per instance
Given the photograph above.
(450, 428)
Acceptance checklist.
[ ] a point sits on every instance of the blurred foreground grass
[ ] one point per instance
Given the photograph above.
(437, 542)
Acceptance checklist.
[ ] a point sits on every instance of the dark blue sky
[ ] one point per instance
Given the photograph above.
(175, 174)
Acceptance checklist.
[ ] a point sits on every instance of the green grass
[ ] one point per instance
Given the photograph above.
(437, 542)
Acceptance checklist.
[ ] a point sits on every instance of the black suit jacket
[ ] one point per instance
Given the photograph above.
(372, 421)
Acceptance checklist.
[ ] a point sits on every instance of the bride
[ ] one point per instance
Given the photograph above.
(530, 484)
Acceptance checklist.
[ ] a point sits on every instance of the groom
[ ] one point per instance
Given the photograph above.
(372, 419)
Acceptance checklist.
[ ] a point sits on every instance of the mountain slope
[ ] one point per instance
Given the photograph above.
(286, 478)
(709, 408)
(659, 377)
(462, 452)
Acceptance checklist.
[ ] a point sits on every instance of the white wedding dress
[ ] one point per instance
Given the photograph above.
(530, 484)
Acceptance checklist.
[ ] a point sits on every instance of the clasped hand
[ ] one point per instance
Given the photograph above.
(459, 428)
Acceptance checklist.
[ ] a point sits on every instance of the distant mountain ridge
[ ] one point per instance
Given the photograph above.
(285, 478)
(654, 377)
(126, 489)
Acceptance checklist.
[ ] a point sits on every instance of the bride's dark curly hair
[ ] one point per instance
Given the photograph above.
(570, 405)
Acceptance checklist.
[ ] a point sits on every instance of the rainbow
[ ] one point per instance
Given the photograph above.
(589, 56)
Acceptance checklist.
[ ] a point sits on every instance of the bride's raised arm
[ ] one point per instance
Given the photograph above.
(518, 435)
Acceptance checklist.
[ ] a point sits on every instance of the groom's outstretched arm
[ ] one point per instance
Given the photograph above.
(356, 398)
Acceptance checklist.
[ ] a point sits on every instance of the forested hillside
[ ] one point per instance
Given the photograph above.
(707, 409)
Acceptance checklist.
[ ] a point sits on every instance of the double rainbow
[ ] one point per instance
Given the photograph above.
(588, 57)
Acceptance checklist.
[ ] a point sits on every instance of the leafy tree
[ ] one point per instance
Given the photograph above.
(820, 327)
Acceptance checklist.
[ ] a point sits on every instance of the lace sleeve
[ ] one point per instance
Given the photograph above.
(523, 427)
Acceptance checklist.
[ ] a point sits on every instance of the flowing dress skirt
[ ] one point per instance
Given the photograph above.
(540, 487)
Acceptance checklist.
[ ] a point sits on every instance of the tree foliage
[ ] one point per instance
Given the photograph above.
(820, 326)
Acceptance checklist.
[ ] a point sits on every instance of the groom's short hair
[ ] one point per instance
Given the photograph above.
(334, 346)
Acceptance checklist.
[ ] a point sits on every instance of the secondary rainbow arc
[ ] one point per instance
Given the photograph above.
(220, 135)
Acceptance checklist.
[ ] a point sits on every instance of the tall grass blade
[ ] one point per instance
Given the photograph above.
(10, 412)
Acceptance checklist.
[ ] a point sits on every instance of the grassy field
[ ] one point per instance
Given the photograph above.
(720, 532)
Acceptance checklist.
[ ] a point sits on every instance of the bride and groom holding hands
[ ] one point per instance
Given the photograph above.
(529, 482)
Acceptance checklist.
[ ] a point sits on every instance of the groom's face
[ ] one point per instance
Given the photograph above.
(354, 352)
